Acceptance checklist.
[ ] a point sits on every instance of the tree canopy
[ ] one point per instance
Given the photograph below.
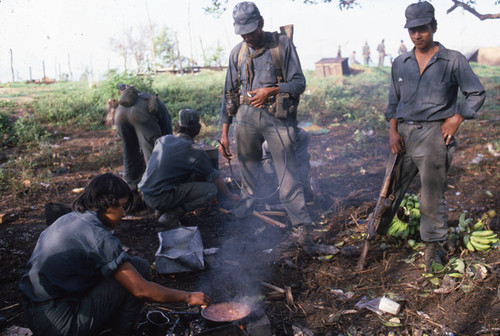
(217, 7)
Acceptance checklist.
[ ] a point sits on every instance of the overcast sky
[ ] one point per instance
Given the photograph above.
(53, 31)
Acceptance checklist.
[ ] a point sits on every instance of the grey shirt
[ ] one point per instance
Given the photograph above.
(174, 159)
(432, 96)
(71, 256)
(264, 74)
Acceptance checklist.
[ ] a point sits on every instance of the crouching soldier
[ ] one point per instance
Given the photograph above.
(167, 184)
(80, 281)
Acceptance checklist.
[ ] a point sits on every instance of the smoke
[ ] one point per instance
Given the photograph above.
(242, 262)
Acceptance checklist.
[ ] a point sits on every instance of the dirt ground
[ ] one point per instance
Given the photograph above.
(324, 289)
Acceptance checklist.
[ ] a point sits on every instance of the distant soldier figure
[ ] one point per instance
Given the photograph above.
(339, 52)
(352, 58)
(381, 53)
(402, 48)
(366, 53)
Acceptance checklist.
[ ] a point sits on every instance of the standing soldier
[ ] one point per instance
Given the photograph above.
(265, 75)
(424, 116)
(366, 53)
(381, 53)
(402, 48)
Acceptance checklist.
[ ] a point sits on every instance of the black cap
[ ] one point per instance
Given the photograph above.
(246, 17)
(189, 117)
(419, 14)
(121, 86)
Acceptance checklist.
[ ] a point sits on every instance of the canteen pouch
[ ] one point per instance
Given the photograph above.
(232, 103)
(284, 106)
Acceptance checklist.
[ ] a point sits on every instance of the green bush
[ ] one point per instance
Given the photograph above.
(107, 89)
(358, 99)
(28, 132)
(202, 92)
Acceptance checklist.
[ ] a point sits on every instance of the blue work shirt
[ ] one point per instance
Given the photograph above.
(432, 96)
(174, 159)
(264, 73)
(71, 256)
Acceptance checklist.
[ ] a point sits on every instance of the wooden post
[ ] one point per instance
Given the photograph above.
(178, 54)
(12, 64)
(43, 67)
(69, 68)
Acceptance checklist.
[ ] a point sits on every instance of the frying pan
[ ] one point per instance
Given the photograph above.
(225, 312)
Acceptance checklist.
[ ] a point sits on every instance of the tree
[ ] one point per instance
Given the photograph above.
(119, 47)
(217, 7)
(164, 45)
(467, 5)
(214, 57)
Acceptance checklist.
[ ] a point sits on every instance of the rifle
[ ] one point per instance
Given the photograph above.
(383, 203)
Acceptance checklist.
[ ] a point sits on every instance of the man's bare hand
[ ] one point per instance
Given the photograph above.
(450, 126)
(396, 143)
(224, 148)
(259, 97)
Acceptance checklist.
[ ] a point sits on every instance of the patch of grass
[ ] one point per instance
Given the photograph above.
(29, 132)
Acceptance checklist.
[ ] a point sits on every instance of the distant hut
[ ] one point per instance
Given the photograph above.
(332, 66)
(487, 56)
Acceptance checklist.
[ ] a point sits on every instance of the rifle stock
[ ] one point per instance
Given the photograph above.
(383, 203)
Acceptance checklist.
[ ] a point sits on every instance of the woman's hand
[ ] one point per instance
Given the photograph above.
(198, 298)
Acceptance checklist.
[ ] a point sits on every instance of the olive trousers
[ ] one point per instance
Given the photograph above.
(253, 127)
(427, 155)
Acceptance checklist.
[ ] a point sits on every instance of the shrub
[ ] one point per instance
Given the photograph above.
(28, 132)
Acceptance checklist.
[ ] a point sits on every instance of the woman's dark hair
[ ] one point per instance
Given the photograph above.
(101, 193)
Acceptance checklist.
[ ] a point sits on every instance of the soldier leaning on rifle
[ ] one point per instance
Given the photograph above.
(424, 116)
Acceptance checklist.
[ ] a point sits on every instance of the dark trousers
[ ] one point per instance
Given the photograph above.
(426, 154)
(138, 130)
(107, 305)
(253, 127)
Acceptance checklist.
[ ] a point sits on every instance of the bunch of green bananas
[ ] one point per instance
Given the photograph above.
(478, 237)
(406, 222)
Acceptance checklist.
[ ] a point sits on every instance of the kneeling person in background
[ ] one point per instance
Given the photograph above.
(167, 184)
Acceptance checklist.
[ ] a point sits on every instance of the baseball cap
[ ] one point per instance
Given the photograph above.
(419, 14)
(189, 117)
(246, 17)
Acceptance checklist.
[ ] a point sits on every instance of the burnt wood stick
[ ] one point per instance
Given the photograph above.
(273, 213)
(273, 287)
(268, 220)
